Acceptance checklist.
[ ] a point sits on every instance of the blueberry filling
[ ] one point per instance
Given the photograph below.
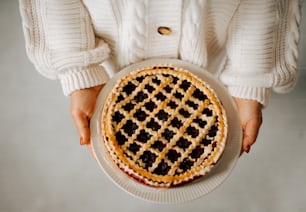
(213, 131)
(160, 96)
(150, 106)
(199, 95)
(149, 88)
(186, 164)
(172, 105)
(117, 117)
(140, 115)
(162, 168)
(178, 95)
(184, 113)
(168, 134)
(176, 123)
(173, 155)
(192, 104)
(143, 136)
(129, 127)
(140, 96)
(197, 152)
(185, 85)
(148, 158)
(183, 143)
(200, 122)
(158, 145)
(121, 139)
(129, 88)
(162, 115)
(134, 148)
(128, 107)
(192, 131)
(207, 112)
(153, 125)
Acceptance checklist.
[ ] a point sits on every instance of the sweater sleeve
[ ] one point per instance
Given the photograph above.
(61, 43)
(262, 49)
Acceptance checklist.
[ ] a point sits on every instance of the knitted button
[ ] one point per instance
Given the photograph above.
(164, 30)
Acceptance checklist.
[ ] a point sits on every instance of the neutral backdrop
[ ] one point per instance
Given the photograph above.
(44, 169)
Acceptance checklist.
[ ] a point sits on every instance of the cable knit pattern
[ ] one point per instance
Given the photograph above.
(137, 32)
(286, 48)
(61, 43)
(69, 39)
(256, 49)
(193, 46)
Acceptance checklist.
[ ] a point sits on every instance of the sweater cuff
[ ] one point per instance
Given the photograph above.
(83, 77)
(258, 94)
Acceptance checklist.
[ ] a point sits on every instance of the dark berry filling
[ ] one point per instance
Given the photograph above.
(168, 89)
(140, 115)
(150, 106)
(206, 142)
(140, 78)
(200, 122)
(149, 88)
(213, 131)
(143, 136)
(172, 105)
(156, 81)
(162, 115)
(128, 107)
(185, 85)
(178, 95)
(120, 98)
(158, 145)
(197, 152)
(140, 96)
(117, 117)
(153, 125)
(207, 112)
(184, 113)
(168, 134)
(121, 139)
(183, 143)
(134, 148)
(162, 168)
(192, 131)
(160, 96)
(129, 88)
(148, 158)
(186, 164)
(199, 95)
(173, 155)
(192, 104)
(129, 127)
(176, 123)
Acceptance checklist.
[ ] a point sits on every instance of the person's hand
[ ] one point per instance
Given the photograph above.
(82, 105)
(250, 113)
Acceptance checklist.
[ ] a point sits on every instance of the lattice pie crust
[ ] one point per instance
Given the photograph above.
(163, 126)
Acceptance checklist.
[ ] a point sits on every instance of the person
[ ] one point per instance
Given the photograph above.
(251, 46)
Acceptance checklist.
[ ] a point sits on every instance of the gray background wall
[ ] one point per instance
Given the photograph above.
(43, 168)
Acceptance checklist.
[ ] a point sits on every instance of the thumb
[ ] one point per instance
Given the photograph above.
(82, 125)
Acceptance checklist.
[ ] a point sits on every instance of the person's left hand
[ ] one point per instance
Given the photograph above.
(250, 113)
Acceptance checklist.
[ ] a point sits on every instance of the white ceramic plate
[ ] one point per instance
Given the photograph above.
(192, 190)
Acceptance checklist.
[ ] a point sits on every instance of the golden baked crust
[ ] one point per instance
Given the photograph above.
(163, 126)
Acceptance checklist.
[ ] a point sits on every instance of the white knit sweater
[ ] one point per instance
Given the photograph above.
(255, 41)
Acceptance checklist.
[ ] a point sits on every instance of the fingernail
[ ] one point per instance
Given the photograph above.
(248, 149)
(81, 141)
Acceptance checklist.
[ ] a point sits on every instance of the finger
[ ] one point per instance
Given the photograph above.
(82, 125)
(250, 133)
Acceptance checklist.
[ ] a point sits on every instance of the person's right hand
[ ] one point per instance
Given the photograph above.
(82, 105)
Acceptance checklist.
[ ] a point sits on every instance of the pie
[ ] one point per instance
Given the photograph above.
(163, 126)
